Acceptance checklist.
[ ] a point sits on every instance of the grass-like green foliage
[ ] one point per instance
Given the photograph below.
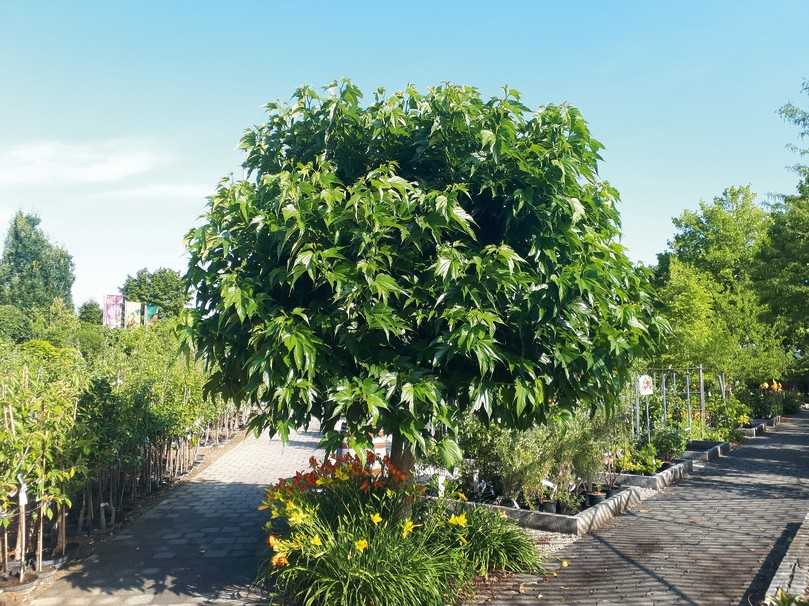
(785, 599)
(359, 534)
(390, 570)
(494, 542)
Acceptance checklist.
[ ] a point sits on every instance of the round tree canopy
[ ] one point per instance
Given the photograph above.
(400, 264)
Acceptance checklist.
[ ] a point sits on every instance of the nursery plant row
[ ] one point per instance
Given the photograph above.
(85, 437)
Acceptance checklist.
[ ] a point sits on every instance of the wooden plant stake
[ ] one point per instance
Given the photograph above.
(22, 500)
(40, 531)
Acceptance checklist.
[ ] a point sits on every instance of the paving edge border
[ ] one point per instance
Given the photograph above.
(792, 574)
(580, 524)
(660, 480)
(713, 453)
(755, 431)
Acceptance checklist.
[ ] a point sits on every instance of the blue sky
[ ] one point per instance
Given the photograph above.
(116, 119)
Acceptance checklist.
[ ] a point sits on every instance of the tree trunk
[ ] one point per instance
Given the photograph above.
(21, 535)
(82, 510)
(62, 537)
(112, 502)
(40, 537)
(402, 455)
(5, 550)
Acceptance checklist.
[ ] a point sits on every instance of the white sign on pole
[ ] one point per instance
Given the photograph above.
(645, 385)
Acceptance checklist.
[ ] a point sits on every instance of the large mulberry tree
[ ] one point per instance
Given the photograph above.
(402, 263)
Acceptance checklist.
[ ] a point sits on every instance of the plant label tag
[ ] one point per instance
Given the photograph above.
(645, 385)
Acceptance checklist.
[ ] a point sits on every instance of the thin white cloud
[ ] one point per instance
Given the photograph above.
(160, 191)
(55, 163)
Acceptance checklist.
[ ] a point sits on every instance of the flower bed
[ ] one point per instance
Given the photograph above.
(354, 532)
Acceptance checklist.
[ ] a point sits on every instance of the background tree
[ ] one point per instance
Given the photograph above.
(688, 299)
(709, 294)
(15, 324)
(723, 236)
(799, 117)
(58, 325)
(783, 265)
(90, 312)
(408, 263)
(33, 271)
(163, 287)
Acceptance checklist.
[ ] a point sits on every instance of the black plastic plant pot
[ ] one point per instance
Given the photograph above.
(549, 506)
(613, 491)
(595, 498)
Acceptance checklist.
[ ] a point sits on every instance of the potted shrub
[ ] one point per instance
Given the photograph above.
(669, 442)
(569, 502)
(548, 499)
(611, 472)
(596, 494)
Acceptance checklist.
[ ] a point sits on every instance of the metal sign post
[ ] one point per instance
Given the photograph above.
(702, 401)
(688, 397)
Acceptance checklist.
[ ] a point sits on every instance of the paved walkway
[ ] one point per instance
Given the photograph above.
(200, 545)
(714, 538)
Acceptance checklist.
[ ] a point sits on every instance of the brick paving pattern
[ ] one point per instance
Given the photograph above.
(714, 538)
(201, 544)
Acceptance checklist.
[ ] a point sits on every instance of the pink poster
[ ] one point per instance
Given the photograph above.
(114, 311)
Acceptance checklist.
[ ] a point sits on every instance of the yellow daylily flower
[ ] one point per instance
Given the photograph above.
(279, 560)
(376, 518)
(361, 545)
(458, 520)
(297, 517)
(407, 528)
(316, 541)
